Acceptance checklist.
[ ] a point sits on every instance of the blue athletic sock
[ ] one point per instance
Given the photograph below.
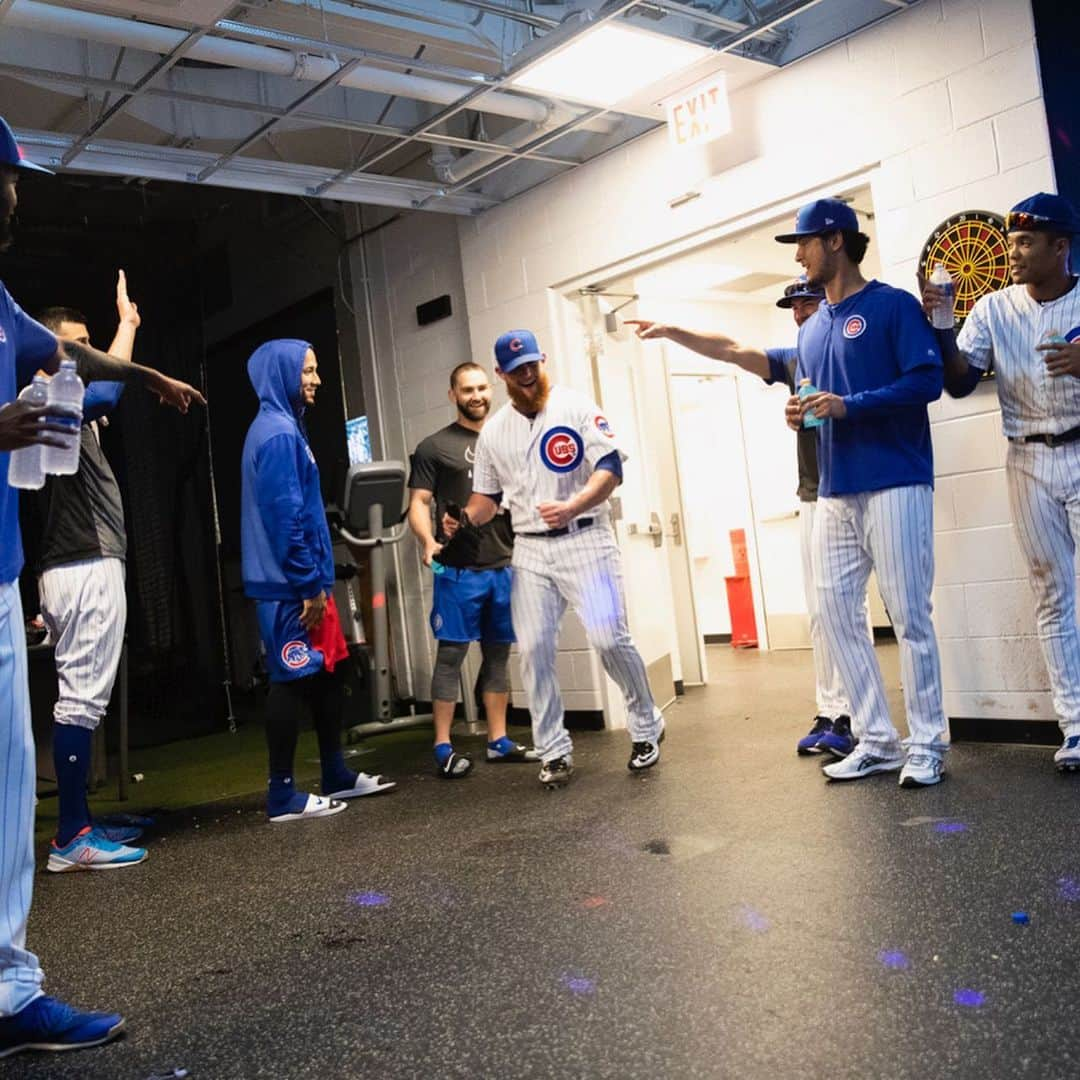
(443, 751)
(71, 759)
(336, 775)
(282, 797)
(503, 745)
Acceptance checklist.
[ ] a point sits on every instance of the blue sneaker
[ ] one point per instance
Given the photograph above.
(91, 850)
(808, 744)
(839, 741)
(119, 834)
(48, 1024)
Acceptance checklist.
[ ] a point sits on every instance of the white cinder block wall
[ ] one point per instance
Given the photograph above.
(943, 102)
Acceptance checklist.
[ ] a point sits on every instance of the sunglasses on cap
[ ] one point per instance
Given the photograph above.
(1023, 221)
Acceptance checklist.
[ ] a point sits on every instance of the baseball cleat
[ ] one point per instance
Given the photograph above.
(557, 773)
(365, 784)
(48, 1024)
(860, 763)
(505, 749)
(922, 770)
(1067, 756)
(838, 741)
(91, 850)
(316, 806)
(808, 744)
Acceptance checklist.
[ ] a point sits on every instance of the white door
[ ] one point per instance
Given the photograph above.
(641, 423)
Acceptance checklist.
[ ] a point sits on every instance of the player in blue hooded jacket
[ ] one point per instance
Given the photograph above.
(288, 570)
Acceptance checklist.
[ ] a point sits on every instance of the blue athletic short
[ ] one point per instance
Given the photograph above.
(472, 605)
(289, 654)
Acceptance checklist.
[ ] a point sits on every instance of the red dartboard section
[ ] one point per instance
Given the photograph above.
(971, 246)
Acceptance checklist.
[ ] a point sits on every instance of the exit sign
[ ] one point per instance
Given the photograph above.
(700, 114)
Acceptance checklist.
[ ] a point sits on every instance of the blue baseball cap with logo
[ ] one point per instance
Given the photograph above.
(1043, 212)
(514, 348)
(800, 289)
(11, 153)
(821, 216)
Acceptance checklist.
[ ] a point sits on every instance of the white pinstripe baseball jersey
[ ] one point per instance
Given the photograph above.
(542, 459)
(1006, 327)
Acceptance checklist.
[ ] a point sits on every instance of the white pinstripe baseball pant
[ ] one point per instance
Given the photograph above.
(584, 570)
(85, 608)
(1044, 493)
(831, 698)
(891, 532)
(20, 972)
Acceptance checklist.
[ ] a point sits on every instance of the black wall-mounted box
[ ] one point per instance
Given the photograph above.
(433, 310)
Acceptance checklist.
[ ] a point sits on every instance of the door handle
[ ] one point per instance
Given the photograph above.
(676, 530)
(653, 529)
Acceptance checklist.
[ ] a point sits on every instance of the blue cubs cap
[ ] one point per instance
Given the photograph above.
(821, 216)
(516, 347)
(11, 154)
(1043, 212)
(800, 289)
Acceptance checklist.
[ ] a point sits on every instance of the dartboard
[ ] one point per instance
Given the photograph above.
(971, 246)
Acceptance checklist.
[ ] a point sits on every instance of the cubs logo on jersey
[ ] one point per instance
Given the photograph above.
(295, 655)
(604, 427)
(854, 326)
(561, 449)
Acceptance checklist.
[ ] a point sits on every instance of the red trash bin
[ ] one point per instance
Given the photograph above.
(740, 596)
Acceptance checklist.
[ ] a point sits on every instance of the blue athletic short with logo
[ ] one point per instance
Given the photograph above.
(289, 652)
(472, 605)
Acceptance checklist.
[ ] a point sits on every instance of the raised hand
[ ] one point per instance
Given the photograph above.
(126, 308)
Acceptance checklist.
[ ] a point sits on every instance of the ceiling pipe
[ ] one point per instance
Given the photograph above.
(151, 37)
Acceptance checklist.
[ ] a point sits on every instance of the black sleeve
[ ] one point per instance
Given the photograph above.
(423, 467)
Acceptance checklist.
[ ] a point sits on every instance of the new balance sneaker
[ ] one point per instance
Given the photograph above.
(921, 770)
(48, 1024)
(365, 784)
(839, 741)
(91, 850)
(505, 749)
(860, 763)
(315, 806)
(557, 773)
(808, 744)
(1067, 756)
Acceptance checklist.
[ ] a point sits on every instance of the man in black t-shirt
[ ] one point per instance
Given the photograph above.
(471, 603)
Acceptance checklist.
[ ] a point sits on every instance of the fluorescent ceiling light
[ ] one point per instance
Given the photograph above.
(609, 64)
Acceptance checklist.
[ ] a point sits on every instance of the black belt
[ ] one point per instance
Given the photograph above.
(1049, 440)
(581, 523)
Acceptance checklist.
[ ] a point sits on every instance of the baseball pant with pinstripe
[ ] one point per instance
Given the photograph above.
(581, 569)
(85, 608)
(892, 533)
(20, 972)
(1044, 493)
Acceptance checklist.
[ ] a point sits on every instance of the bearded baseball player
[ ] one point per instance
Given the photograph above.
(876, 366)
(550, 457)
(1030, 332)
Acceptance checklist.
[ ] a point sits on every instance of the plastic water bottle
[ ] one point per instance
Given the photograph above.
(1050, 337)
(65, 407)
(942, 316)
(26, 468)
(806, 388)
(437, 567)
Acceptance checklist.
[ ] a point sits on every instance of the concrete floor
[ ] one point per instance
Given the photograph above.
(727, 914)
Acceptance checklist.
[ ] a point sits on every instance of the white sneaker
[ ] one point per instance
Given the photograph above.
(922, 770)
(365, 785)
(860, 763)
(1067, 757)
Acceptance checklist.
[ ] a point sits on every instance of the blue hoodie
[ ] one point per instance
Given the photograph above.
(286, 552)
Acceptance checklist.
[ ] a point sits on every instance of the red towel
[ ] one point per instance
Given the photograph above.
(329, 638)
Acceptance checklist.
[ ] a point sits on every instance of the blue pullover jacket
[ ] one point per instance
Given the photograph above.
(286, 552)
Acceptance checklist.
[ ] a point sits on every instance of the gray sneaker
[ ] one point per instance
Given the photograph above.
(922, 770)
(557, 773)
(860, 763)
(1067, 757)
